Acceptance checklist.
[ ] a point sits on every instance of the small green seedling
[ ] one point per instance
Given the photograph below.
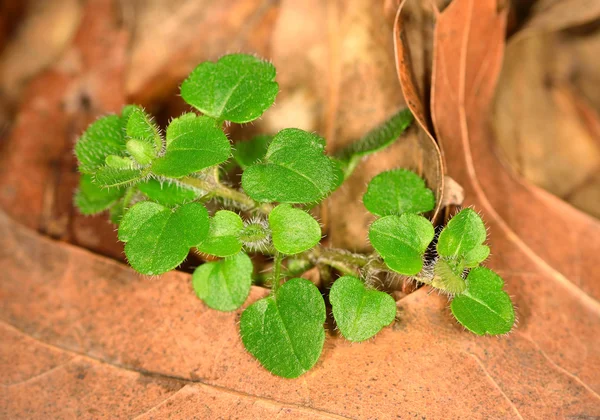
(156, 188)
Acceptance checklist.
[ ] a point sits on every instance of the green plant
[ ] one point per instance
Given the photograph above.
(156, 189)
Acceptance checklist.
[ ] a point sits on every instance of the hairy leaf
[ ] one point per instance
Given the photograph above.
(247, 153)
(484, 308)
(91, 199)
(476, 256)
(193, 143)
(359, 312)
(398, 191)
(224, 285)
(295, 170)
(223, 237)
(237, 88)
(463, 235)
(375, 140)
(402, 241)
(140, 127)
(158, 238)
(293, 230)
(448, 277)
(168, 194)
(109, 176)
(285, 332)
(102, 138)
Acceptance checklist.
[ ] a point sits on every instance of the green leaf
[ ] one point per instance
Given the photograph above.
(223, 237)
(295, 170)
(168, 194)
(224, 285)
(360, 313)
(374, 141)
(104, 137)
(158, 238)
(476, 256)
(247, 153)
(463, 235)
(285, 332)
(237, 88)
(293, 230)
(142, 152)
(91, 199)
(402, 241)
(448, 277)
(108, 176)
(193, 143)
(141, 127)
(396, 192)
(484, 308)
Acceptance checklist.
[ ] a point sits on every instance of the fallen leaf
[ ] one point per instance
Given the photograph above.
(335, 68)
(38, 173)
(545, 118)
(41, 37)
(554, 15)
(545, 250)
(76, 324)
(126, 338)
(171, 37)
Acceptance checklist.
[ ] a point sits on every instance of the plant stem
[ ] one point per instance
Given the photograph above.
(276, 273)
(234, 197)
(345, 261)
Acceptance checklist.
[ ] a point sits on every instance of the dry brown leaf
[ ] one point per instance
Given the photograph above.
(546, 110)
(412, 73)
(37, 167)
(87, 335)
(554, 15)
(545, 250)
(92, 337)
(335, 67)
(40, 38)
(171, 37)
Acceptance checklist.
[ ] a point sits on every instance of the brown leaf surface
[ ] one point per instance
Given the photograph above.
(336, 71)
(545, 114)
(38, 172)
(170, 38)
(115, 338)
(86, 336)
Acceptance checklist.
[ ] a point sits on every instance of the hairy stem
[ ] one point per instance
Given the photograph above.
(235, 198)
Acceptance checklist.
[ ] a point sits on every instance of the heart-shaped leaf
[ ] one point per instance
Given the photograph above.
(224, 285)
(168, 194)
(223, 237)
(92, 199)
(402, 241)
(396, 192)
(158, 238)
(285, 332)
(360, 313)
(464, 235)
(295, 170)
(293, 230)
(193, 143)
(247, 153)
(237, 88)
(484, 308)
